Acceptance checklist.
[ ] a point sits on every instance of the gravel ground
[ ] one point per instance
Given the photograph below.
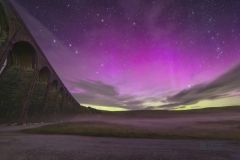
(19, 146)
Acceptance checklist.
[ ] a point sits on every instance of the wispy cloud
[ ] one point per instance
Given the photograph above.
(89, 91)
(219, 88)
(97, 87)
(98, 93)
(95, 92)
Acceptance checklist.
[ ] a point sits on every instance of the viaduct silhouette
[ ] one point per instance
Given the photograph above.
(30, 89)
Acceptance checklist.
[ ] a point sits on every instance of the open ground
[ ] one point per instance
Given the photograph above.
(202, 135)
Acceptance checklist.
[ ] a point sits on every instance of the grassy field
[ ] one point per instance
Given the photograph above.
(104, 129)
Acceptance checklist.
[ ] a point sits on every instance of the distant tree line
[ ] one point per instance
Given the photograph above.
(87, 110)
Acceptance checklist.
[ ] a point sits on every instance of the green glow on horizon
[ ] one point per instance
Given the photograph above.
(229, 101)
(106, 108)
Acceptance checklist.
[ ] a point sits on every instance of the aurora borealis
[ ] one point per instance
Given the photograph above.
(141, 54)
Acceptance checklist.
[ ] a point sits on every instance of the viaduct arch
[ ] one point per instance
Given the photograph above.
(30, 89)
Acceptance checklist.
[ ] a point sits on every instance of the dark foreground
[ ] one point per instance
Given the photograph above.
(18, 146)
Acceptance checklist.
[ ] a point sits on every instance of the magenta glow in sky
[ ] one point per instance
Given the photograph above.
(163, 54)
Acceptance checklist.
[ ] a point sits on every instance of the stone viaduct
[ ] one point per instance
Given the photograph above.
(30, 89)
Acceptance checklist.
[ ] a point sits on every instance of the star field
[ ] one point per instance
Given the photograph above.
(140, 54)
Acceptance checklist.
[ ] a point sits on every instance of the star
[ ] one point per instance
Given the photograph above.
(138, 47)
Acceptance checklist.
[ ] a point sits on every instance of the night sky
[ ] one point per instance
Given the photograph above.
(141, 54)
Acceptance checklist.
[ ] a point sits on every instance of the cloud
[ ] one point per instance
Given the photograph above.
(97, 87)
(149, 108)
(101, 94)
(216, 89)
(92, 99)
(167, 106)
(88, 91)
(163, 101)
